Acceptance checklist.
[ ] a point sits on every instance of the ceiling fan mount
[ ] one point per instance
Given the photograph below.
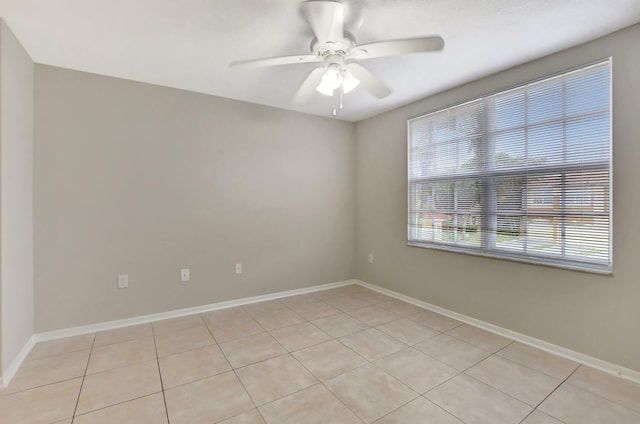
(333, 47)
(337, 49)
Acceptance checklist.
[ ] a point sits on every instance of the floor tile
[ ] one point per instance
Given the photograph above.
(417, 370)
(401, 308)
(452, 351)
(299, 300)
(299, 336)
(539, 360)
(121, 354)
(474, 402)
(192, 365)
(278, 319)
(419, 411)
(124, 334)
(520, 382)
(351, 289)
(329, 359)
(370, 392)
(373, 315)
(251, 417)
(148, 409)
(340, 325)
(538, 417)
(224, 314)
(573, 405)
(56, 347)
(313, 405)
(274, 378)
(326, 294)
(372, 344)
(222, 397)
(435, 321)
(248, 350)
(374, 297)
(311, 311)
(42, 405)
(50, 369)
(176, 324)
(118, 385)
(407, 331)
(183, 340)
(224, 331)
(123, 381)
(615, 389)
(348, 303)
(262, 307)
(483, 339)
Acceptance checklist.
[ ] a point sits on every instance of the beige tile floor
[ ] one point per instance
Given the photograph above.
(346, 355)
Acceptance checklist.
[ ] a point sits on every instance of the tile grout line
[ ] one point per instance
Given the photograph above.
(75, 409)
(347, 347)
(24, 389)
(531, 368)
(368, 362)
(332, 338)
(511, 341)
(234, 373)
(637, 411)
(302, 365)
(164, 398)
(117, 367)
(325, 386)
(547, 397)
(26, 361)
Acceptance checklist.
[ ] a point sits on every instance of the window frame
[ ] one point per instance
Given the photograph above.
(495, 173)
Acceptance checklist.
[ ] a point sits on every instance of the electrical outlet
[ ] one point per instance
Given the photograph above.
(370, 258)
(184, 274)
(123, 281)
(238, 268)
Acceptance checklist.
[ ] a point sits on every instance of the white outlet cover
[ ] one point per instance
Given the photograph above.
(238, 268)
(185, 274)
(123, 281)
(370, 258)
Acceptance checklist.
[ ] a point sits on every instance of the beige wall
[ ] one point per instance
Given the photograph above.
(142, 180)
(16, 199)
(593, 314)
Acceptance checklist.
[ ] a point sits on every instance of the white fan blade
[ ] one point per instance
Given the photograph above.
(275, 61)
(397, 47)
(368, 81)
(326, 19)
(308, 87)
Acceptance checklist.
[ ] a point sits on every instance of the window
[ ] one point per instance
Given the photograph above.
(523, 174)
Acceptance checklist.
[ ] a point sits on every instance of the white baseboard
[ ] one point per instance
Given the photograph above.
(13, 367)
(11, 370)
(143, 319)
(578, 357)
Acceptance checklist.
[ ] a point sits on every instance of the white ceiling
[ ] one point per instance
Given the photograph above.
(188, 44)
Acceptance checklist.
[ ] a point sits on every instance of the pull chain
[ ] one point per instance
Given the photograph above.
(340, 94)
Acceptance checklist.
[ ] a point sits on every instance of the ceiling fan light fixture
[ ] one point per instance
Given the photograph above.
(349, 82)
(330, 81)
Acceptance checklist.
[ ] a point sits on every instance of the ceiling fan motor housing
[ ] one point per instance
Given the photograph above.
(333, 51)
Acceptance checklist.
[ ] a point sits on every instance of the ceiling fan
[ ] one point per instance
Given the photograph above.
(336, 48)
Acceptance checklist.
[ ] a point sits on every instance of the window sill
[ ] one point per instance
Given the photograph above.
(589, 268)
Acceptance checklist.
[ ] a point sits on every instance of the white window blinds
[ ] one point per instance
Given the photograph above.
(523, 174)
